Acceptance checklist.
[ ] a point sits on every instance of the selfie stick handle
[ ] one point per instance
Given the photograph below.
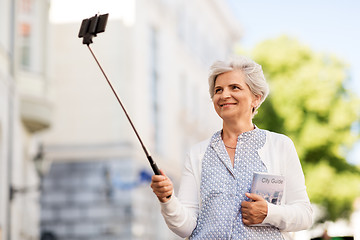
(151, 161)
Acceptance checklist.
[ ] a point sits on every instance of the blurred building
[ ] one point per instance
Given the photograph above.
(157, 54)
(25, 110)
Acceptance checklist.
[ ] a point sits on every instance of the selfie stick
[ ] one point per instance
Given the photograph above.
(89, 28)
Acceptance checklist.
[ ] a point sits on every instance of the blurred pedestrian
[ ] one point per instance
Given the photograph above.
(325, 235)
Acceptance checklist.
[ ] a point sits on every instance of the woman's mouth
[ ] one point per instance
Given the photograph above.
(227, 104)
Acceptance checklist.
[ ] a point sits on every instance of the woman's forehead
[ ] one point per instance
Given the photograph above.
(231, 77)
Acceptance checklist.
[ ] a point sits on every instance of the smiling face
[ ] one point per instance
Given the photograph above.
(233, 99)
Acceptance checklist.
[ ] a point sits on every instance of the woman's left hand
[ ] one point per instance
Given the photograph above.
(254, 212)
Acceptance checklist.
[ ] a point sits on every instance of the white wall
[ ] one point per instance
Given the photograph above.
(4, 111)
(15, 138)
(3, 155)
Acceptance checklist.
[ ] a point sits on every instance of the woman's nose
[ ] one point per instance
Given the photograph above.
(225, 94)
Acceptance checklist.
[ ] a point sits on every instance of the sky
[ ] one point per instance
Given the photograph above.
(63, 11)
(331, 26)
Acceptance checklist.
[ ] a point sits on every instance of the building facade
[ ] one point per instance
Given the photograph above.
(156, 54)
(25, 110)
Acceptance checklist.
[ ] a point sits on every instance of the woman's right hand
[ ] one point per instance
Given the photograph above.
(162, 187)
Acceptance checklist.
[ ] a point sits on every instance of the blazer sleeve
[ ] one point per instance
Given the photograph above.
(296, 212)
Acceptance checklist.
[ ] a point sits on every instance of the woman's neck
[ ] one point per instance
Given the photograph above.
(233, 130)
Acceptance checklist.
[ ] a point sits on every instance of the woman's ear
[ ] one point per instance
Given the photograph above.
(256, 101)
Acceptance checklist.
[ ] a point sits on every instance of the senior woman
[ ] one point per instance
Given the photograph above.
(214, 200)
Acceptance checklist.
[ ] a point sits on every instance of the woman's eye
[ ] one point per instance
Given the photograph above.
(236, 87)
(217, 90)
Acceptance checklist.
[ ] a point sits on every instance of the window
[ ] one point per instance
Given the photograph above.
(184, 94)
(31, 32)
(181, 23)
(25, 31)
(154, 86)
(3, 183)
(2, 28)
(25, 44)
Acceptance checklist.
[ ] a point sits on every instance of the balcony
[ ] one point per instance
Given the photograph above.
(35, 107)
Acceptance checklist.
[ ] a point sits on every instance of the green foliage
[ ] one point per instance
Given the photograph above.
(333, 190)
(308, 102)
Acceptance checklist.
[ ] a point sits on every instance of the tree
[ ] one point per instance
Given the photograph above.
(309, 103)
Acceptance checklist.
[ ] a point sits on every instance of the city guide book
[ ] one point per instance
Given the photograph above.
(269, 186)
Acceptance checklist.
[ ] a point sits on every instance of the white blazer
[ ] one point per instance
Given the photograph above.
(280, 157)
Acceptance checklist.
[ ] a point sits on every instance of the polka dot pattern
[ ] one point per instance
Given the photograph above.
(223, 188)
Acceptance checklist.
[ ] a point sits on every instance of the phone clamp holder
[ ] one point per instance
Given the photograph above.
(92, 26)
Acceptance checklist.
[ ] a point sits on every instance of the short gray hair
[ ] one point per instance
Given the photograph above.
(255, 78)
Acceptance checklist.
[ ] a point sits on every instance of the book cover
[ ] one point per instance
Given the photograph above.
(269, 186)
